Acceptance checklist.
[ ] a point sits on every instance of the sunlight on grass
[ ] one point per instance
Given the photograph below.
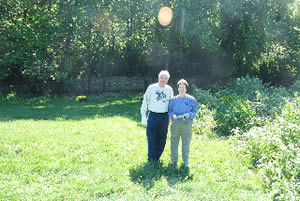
(39, 107)
(97, 155)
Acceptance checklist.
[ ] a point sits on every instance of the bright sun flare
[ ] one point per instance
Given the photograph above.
(165, 16)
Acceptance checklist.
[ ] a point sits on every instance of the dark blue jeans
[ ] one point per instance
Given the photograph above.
(157, 129)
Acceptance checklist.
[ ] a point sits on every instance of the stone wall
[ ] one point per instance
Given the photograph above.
(112, 84)
(119, 84)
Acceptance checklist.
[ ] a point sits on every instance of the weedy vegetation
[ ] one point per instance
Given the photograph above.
(59, 149)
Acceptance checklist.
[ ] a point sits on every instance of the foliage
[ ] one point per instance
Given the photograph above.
(246, 102)
(232, 113)
(204, 97)
(258, 41)
(272, 100)
(46, 44)
(277, 65)
(204, 122)
(274, 150)
(14, 98)
(246, 88)
(2, 96)
(296, 87)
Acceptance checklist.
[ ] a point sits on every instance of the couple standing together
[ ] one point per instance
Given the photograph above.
(161, 104)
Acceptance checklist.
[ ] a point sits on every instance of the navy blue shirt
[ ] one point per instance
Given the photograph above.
(183, 105)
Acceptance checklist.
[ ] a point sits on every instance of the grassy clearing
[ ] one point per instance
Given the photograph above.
(57, 149)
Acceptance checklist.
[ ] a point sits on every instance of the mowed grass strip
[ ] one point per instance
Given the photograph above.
(57, 149)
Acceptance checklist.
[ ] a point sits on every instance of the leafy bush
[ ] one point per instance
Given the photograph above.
(246, 88)
(2, 96)
(234, 113)
(272, 100)
(204, 122)
(266, 120)
(14, 98)
(204, 97)
(247, 103)
(273, 150)
(40, 100)
(278, 63)
(296, 87)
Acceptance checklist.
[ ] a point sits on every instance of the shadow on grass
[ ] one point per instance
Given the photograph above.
(147, 174)
(68, 109)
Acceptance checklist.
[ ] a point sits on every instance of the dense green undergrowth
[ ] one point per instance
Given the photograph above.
(264, 121)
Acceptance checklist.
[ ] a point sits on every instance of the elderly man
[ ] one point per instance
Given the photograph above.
(156, 100)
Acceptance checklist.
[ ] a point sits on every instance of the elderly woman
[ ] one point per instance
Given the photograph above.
(182, 109)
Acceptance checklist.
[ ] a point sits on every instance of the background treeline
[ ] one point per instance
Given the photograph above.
(48, 44)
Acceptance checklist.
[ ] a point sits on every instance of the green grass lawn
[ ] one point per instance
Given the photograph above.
(58, 149)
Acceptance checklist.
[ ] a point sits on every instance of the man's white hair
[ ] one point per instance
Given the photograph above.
(164, 72)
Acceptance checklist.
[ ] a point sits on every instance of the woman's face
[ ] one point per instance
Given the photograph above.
(182, 88)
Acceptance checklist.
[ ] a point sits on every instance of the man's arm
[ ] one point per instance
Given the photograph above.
(144, 106)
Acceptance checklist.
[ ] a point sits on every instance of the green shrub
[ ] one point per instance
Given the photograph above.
(296, 87)
(234, 113)
(204, 123)
(245, 103)
(246, 88)
(14, 98)
(204, 97)
(2, 96)
(266, 101)
(273, 150)
(40, 100)
(272, 101)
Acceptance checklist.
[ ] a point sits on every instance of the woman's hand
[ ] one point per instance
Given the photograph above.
(174, 116)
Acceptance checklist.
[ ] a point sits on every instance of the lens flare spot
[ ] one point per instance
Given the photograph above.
(165, 16)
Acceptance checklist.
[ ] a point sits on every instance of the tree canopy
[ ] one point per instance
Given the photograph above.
(45, 43)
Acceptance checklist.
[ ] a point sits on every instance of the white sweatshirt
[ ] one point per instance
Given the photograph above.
(156, 99)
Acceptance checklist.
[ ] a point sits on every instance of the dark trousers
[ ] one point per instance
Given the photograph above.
(157, 129)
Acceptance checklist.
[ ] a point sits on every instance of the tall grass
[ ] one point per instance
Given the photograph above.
(58, 149)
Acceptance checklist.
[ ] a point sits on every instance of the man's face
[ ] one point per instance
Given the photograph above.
(162, 80)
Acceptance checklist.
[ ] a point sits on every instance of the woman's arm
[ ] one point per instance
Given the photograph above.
(170, 108)
(194, 105)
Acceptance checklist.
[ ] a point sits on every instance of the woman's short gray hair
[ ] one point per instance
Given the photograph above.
(164, 72)
(182, 81)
